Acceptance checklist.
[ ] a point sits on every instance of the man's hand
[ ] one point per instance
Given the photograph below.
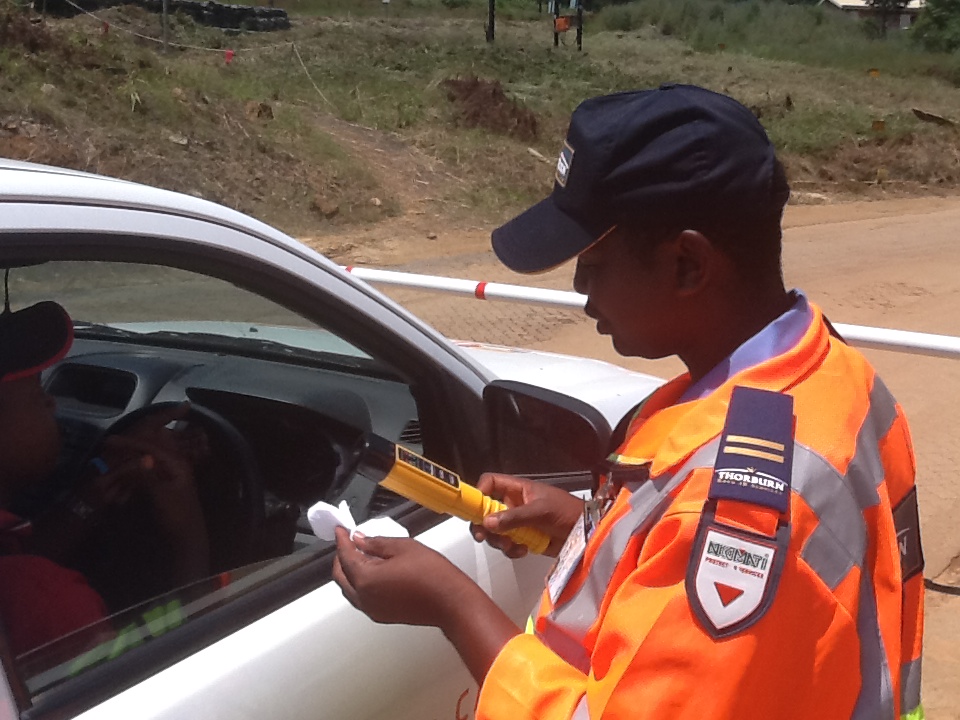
(160, 460)
(115, 483)
(171, 452)
(397, 580)
(148, 457)
(531, 504)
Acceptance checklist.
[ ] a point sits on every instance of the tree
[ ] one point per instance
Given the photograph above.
(884, 10)
(938, 27)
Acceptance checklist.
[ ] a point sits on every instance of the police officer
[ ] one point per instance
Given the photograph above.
(753, 548)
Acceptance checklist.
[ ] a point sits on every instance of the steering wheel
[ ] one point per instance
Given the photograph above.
(357, 491)
(127, 564)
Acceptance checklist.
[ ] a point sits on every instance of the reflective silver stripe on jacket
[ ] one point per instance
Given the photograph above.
(839, 542)
(876, 684)
(910, 686)
(565, 628)
(865, 475)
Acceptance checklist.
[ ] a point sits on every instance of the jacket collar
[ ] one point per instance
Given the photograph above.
(666, 431)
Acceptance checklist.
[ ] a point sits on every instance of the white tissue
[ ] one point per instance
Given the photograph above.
(325, 518)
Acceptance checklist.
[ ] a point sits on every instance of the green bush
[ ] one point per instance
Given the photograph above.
(801, 32)
(938, 27)
(618, 18)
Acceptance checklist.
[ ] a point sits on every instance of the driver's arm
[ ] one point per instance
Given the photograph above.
(56, 533)
(166, 474)
(148, 457)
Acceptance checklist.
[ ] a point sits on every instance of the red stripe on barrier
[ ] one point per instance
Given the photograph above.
(349, 268)
(479, 291)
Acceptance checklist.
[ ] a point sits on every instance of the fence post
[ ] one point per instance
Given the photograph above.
(579, 25)
(556, 15)
(166, 10)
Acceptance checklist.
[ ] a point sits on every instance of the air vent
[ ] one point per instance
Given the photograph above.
(95, 390)
(411, 433)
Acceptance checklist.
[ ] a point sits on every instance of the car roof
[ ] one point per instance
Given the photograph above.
(27, 182)
(31, 182)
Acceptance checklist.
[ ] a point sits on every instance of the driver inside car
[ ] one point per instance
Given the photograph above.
(41, 599)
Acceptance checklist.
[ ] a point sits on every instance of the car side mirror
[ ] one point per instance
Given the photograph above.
(537, 431)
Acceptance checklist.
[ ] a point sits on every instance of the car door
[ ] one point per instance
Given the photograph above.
(276, 638)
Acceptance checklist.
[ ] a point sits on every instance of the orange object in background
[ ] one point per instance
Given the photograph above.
(562, 23)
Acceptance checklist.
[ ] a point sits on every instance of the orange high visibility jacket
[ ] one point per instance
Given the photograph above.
(834, 632)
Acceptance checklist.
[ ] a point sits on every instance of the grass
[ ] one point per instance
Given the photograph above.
(116, 97)
(814, 35)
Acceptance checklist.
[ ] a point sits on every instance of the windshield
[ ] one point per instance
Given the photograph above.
(117, 300)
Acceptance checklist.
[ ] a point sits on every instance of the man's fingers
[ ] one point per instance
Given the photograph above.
(379, 547)
(133, 466)
(487, 484)
(479, 532)
(194, 443)
(127, 446)
(349, 555)
(500, 542)
(515, 517)
(505, 488)
(176, 466)
(117, 482)
(340, 578)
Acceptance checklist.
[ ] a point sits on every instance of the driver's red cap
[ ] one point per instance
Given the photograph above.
(33, 339)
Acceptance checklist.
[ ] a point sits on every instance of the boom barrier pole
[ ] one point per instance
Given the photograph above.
(472, 288)
(861, 336)
(917, 343)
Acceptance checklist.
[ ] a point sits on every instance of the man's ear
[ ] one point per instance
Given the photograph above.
(695, 258)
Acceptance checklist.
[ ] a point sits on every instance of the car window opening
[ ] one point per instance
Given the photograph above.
(279, 400)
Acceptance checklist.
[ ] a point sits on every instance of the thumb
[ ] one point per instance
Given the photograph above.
(515, 517)
(381, 547)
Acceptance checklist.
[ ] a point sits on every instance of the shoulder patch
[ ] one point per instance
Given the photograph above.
(756, 450)
(733, 576)
(906, 519)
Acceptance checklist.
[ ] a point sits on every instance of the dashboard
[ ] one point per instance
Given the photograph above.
(281, 437)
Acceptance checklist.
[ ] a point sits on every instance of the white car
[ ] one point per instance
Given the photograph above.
(287, 361)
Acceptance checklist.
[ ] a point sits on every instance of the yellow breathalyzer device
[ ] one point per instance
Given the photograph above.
(396, 468)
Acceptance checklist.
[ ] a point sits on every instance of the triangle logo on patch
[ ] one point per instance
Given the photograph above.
(727, 593)
(732, 577)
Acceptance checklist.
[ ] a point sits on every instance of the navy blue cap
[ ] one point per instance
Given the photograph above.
(675, 151)
(33, 339)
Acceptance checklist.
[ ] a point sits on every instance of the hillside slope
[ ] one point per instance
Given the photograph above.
(348, 120)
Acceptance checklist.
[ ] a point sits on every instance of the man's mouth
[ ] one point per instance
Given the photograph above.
(591, 312)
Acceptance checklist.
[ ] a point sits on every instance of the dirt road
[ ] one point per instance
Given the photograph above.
(892, 264)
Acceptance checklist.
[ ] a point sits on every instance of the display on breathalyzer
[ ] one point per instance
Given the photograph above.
(435, 487)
